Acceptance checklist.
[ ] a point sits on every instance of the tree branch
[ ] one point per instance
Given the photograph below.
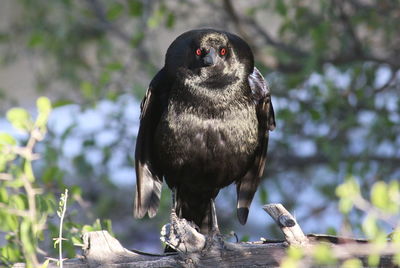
(247, 25)
(100, 14)
(102, 250)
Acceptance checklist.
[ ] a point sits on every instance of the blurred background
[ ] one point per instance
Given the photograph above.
(332, 66)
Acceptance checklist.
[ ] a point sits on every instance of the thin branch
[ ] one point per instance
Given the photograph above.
(100, 14)
(277, 44)
(64, 199)
(5, 177)
(358, 54)
(357, 44)
(238, 22)
(367, 207)
(388, 83)
(17, 212)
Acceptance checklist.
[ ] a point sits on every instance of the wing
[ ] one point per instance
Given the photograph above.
(247, 186)
(148, 178)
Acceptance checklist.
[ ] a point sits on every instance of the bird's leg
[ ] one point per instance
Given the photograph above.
(173, 209)
(166, 232)
(214, 220)
(214, 233)
(180, 234)
(174, 213)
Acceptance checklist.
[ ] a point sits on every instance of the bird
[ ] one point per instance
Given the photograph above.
(204, 124)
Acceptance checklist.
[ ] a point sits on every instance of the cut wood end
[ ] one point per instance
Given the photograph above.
(101, 247)
(287, 223)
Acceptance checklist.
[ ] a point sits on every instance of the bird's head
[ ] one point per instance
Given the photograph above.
(209, 56)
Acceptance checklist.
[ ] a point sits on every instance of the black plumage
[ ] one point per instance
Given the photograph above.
(204, 124)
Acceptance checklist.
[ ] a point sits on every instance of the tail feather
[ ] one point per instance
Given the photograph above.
(147, 198)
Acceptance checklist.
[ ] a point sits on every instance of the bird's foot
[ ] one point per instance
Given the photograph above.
(216, 234)
(214, 239)
(182, 236)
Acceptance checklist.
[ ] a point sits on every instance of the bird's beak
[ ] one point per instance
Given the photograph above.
(210, 58)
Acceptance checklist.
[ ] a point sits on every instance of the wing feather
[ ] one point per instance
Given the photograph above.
(148, 177)
(247, 186)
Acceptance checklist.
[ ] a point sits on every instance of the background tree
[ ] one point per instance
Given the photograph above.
(333, 67)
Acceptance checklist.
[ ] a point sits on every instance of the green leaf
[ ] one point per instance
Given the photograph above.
(135, 8)
(28, 171)
(11, 253)
(137, 38)
(76, 240)
(5, 156)
(87, 228)
(15, 183)
(56, 242)
(45, 264)
(9, 222)
(323, 255)
(373, 260)
(280, 7)
(295, 253)
(115, 11)
(107, 225)
(384, 196)
(27, 237)
(379, 195)
(19, 201)
(41, 204)
(245, 238)
(170, 22)
(3, 195)
(352, 263)
(36, 39)
(156, 18)
(395, 236)
(44, 107)
(115, 66)
(289, 263)
(347, 192)
(396, 259)
(315, 115)
(3, 163)
(52, 175)
(62, 102)
(370, 227)
(76, 190)
(105, 78)
(87, 89)
(6, 139)
(331, 231)
(20, 119)
(345, 205)
(394, 196)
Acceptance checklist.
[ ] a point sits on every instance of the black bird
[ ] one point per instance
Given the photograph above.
(204, 124)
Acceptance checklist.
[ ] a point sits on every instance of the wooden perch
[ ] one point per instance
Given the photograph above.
(196, 250)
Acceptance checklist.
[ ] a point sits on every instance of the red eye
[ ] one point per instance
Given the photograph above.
(198, 52)
(222, 52)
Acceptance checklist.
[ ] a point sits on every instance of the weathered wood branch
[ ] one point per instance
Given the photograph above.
(196, 250)
(292, 231)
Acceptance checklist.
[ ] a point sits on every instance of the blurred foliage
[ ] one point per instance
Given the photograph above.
(333, 68)
(24, 208)
(26, 203)
(383, 206)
